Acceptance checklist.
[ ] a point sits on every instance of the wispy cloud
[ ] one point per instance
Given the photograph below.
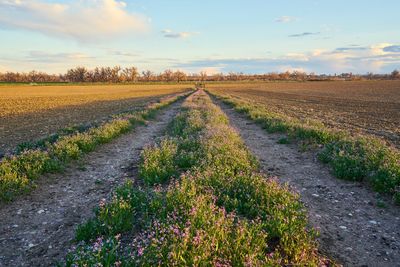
(45, 57)
(51, 62)
(90, 20)
(350, 48)
(304, 34)
(123, 54)
(177, 35)
(285, 19)
(377, 58)
(372, 58)
(392, 48)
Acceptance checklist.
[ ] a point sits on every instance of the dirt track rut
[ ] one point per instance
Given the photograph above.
(37, 230)
(353, 230)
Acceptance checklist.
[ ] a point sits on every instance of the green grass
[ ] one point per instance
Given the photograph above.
(19, 172)
(352, 158)
(284, 141)
(220, 211)
(158, 164)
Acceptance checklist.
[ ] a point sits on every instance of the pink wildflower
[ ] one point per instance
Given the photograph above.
(102, 203)
(140, 251)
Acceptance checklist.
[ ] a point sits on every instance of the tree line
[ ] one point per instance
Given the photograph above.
(131, 74)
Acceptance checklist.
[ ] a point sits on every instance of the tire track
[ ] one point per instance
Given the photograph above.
(37, 229)
(353, 230)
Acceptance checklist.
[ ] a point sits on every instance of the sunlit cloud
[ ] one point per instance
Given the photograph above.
(47, 61)
(377, 58)
(369, 59)
(90, 20)
(285, 19)
(177, 35)
(296, 56)
(42, 56)
(207, 70)
(123, 54)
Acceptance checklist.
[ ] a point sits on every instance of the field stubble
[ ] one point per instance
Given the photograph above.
(29, 113)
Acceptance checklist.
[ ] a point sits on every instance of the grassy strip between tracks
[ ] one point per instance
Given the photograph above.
(19, 172)
(200, 201)
(358, 158)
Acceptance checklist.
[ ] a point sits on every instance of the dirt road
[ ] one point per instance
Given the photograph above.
(353, 229)
(37, 229)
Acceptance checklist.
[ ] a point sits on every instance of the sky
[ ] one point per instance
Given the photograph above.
(252, 36)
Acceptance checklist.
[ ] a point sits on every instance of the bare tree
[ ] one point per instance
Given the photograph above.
(369, 75)
(33, 76)
(218, 77)
(395, 75)
(129, 74)
(179, 76)
(232, 76)
(167, 75)
(115, 74)
(147, 75)
(203, 76)
(77, 75)
(284, 76)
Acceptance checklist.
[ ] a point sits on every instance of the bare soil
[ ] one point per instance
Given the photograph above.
(353, 230)
(37, 230)
(360, 107)
(31, 126)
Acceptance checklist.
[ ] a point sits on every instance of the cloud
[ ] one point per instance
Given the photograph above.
(285, 19)
(369, 59)
(304, 34)
(208, 70)
(296, 56)
(90, 20)
(50, 62)
(211, 70)
(351, 48)
(177, 35)
(45, 57)
(392, 48)
(124, 54)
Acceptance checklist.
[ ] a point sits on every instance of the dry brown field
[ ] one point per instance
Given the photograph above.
(361, 107)
(28, 113)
